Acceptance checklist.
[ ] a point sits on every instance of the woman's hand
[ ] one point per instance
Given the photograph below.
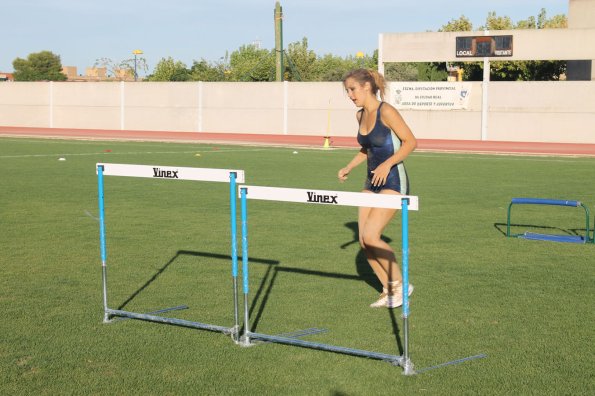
(342, 174)
(381, 174)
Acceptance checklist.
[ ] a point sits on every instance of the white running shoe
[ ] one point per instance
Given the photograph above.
(381, 302)
(396, 300)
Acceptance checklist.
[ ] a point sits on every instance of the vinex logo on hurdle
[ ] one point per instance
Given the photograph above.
(322, 198)
(168, 174)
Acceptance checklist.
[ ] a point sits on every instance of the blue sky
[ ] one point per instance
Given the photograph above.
(81, 31)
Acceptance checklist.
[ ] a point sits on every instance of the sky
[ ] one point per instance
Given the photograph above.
(82, 31)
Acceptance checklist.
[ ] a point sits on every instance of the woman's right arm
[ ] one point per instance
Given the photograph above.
(358, 159)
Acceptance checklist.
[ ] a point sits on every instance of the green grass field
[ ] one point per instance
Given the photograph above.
(528, 305)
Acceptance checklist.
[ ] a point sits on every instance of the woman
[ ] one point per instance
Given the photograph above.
(386, 141)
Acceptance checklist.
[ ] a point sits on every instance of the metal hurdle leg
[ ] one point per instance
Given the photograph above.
(246, 337)
(234, 253)
(100, 195)
(406, 362)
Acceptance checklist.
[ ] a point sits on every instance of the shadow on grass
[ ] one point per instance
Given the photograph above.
(501, 228)
(366, 273)
(362, 267)
(180, 253)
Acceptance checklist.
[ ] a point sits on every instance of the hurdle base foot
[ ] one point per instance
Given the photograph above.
(246, 342)
(234, 333)
(408, 367)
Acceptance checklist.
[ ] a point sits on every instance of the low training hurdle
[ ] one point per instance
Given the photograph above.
(170, 173)
(332, 198)
(549, 237)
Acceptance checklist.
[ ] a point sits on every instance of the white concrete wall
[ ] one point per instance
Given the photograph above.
(517, 111)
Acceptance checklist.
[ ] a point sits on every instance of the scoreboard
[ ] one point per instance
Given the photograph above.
(483, 46)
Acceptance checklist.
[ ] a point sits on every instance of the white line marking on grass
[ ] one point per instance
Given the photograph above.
(88, 214)
(498, 157)
(128, 153)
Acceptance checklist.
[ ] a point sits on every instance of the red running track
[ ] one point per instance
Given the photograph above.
(461, 146)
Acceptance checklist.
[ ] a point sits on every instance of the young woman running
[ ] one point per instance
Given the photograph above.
(386, 141)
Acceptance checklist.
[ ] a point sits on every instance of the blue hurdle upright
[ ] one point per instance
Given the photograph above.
(550, 237)
(170, 173)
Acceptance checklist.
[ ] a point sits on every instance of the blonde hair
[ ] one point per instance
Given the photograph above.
(363, 76)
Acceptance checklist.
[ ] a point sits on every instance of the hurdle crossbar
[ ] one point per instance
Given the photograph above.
(333, 198)
(231, 176)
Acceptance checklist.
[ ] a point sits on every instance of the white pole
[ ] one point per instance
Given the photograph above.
(285, 104)
(51, 104)
(380, 54)
(484, 100)
(200, 106)
(122, 105)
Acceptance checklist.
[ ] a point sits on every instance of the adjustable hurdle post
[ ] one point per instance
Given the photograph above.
(331, 198)
(100, 198)
(406, 361)
(171, 173)
(244, 216)
(234, 253)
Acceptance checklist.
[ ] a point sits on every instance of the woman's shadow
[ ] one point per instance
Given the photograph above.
(362, 267)
(366, 273)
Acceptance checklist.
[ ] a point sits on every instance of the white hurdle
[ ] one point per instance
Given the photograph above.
(231, 176)
(331, 198)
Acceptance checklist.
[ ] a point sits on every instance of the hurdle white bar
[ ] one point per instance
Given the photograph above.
(327, 197)
(171, 172)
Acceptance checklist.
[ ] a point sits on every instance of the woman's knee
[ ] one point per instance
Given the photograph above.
(369, 239)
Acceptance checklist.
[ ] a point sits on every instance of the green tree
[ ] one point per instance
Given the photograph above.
(494, 22)
(168, 69)
(39, 66)
(402, 71)
(250, 63)
(432, 71)
(463, 24)
(332, 68)
(205, 71)
(302, 61)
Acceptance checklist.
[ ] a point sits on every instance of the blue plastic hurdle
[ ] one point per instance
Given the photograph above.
(550, 237)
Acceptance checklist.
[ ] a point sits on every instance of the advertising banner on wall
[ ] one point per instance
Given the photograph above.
(430, 95)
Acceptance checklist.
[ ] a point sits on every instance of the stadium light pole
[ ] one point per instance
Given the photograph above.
(360, 58)
(136, 53)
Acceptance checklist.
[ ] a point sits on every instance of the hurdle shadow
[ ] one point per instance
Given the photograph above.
(181, 253)
(501, 228)
(363, 269)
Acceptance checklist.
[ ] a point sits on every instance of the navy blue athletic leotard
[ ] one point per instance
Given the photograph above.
(381, 143)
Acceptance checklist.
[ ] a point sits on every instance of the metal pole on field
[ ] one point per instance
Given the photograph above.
(234, 252)
(102, 241)
(406, 363)
(246, 337)
(136, 52)
(484, 95)
(279, 42)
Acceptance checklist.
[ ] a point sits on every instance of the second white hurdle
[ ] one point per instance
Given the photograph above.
(331, 198)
